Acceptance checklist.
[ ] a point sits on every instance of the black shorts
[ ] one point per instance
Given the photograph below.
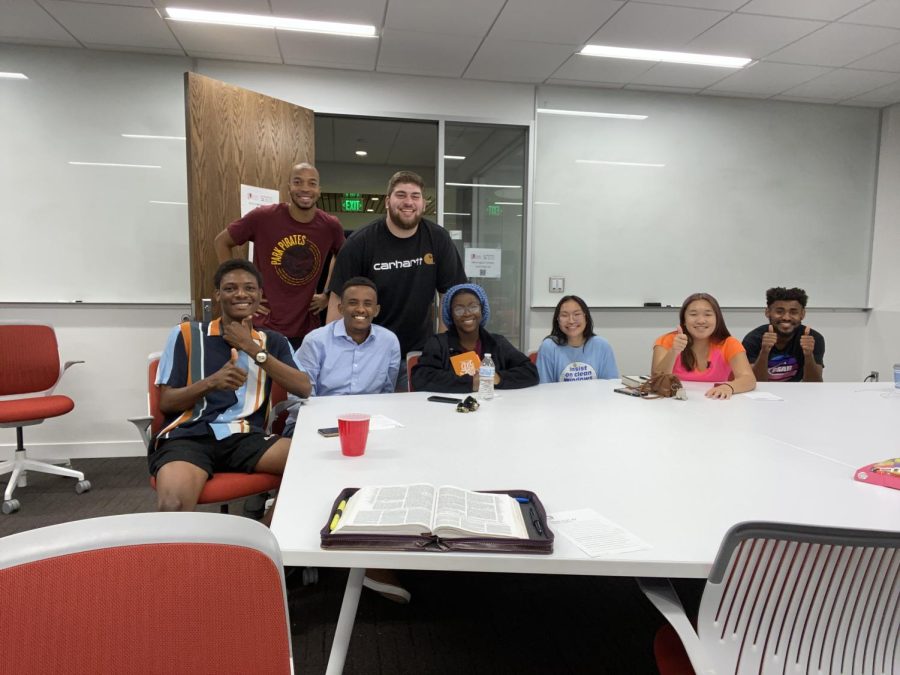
(238, 452)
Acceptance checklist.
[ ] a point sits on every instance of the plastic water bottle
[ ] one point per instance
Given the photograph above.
(486, 379)
(897, 376)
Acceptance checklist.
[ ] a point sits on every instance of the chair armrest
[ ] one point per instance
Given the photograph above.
(142, 424)
(69, 364)
(663, 596)
(280, 407)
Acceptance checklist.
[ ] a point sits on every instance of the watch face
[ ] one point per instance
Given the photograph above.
(261, 357)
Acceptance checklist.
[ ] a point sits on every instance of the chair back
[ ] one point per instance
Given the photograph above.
(532, 356)
(29, 359)
(160, 593)
(153, 394)
(797, 599)
(412, 358)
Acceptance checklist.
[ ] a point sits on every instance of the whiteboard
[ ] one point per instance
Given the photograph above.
(92, 233)
(708, 194)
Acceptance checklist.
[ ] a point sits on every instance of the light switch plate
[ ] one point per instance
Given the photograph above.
(557, 284)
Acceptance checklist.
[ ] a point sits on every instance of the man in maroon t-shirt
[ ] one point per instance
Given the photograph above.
(290, 244)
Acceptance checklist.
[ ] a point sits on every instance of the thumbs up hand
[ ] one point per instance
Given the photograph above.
(807, 343)
(768, 340)
(680, 341)
(229, 377)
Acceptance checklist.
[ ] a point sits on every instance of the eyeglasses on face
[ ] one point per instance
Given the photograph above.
(459, 310)
(565, 316)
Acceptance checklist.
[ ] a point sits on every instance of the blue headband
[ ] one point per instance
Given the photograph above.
(477, 291)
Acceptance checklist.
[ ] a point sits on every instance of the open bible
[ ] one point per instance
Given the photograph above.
(423, 517)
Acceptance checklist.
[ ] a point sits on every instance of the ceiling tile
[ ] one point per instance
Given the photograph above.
(843, 83)
(594, 69)
(414, 145)
(570, 22)
(767, 78)
(724, 5)
(655, 26)
(229, 42)
(825, 10)
(368, 12)
(517, 61)
(804, 99)
(241, 6)
(655, 87)
(837, 45)
(884, 95)
(134, 28)
(886, 59)
(422, 53)
(329, 51)
(751, 36)
(681, 75)
(585, 83)
(127, 3)
(866, 104)
(460, 17)
(878, 13)
(25, 21)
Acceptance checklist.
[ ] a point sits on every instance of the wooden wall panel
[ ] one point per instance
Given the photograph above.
(234, 136)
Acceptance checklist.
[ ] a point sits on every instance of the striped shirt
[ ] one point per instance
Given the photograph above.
(195, 351)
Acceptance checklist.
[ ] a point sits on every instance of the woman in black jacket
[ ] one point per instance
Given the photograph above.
(465, 311)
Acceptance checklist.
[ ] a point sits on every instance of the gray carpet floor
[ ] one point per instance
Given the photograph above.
(456, 623)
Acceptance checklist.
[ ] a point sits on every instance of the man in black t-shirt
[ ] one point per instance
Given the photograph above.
(409, 259)
(784, 350)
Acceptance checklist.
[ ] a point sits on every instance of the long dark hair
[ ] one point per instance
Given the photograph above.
(556, 333)
(720, 334)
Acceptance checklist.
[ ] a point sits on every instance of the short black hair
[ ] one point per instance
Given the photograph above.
(236, 264)
(786, 294)
(358, 281)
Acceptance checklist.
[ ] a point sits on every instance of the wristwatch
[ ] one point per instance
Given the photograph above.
(261, 356)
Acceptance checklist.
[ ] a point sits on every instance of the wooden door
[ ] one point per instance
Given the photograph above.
(234, 136)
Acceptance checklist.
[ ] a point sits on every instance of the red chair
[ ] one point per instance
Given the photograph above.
(533, 357)
(174, 593)
(412, 358)
(222, 487)
(29, 372)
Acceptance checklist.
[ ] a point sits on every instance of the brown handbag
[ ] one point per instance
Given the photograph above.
(662, 385)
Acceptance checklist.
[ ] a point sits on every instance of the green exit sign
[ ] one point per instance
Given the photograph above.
(351, 204)
(494, 210)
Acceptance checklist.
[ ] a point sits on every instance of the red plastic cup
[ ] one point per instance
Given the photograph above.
(353, 428)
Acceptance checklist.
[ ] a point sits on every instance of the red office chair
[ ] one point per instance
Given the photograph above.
(29, 372)
(222, 487)
(533, 357)
(412, 358)
(173, 593)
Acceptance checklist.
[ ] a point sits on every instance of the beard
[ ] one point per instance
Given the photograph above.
(403, 221)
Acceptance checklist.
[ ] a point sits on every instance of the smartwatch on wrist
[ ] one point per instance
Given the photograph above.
(261, 356)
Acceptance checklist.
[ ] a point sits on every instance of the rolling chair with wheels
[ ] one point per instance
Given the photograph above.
(174, 593)
(223, 487)
(412, 358)
(784, 598)
(29, 372)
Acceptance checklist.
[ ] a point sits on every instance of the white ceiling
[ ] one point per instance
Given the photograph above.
(823, 51)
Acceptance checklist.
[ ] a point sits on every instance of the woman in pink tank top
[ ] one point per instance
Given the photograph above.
(702, 350)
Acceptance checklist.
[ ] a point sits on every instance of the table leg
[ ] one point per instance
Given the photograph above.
(345, 622)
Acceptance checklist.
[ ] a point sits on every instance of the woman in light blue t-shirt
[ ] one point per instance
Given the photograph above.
(572, 352)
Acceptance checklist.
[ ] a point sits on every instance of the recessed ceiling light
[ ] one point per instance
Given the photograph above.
(374, 199)
(361, 153)
(484, 185)
(152, 137)
(509, 203)
(13, 76)
(448, 213)
(128, 166)
(668, 57)
(268, 21)
(603, 161)
(454, 156)
(370, 210)
(586, 113)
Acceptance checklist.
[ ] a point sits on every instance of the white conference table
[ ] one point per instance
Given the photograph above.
(678, 474)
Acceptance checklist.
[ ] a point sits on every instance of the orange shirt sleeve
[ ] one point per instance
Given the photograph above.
(731, 348)
(665, 340)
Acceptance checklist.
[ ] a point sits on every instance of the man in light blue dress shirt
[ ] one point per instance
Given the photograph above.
(351, 355)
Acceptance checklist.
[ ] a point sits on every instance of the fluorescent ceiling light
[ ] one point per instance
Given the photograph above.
(13, 76)
(509, 203)
(155, 201)
(361, 153)
(549, 203)
(370, 210)
(603, 161)
(268, 21)
(669, 57)
(484, 185)
(152, 137)
(454, 156)
(129, 166)
(374, 199)
(585, 113)
(450, 213)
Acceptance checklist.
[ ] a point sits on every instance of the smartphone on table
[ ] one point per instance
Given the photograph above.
(444, 399)
(329, 432)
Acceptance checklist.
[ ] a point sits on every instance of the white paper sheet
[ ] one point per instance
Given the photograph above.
(594, 534)
(762, 396)
(378, 422)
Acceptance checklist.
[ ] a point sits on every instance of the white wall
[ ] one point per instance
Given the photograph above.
(115, 339)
